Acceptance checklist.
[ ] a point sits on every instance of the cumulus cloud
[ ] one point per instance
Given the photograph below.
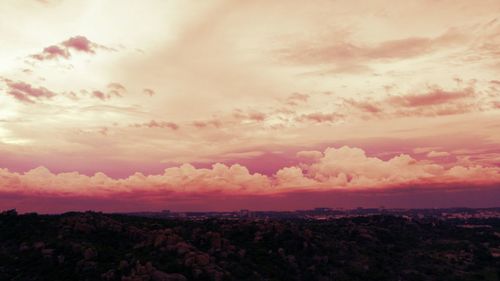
(185, 178)
(335, 168)
(52, 52)
(63, 49)
(293, 177)
(81, 44)
(26, 93)
(351, 167)
(100, 95)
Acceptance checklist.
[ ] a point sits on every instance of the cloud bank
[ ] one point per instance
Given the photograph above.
(343, 168)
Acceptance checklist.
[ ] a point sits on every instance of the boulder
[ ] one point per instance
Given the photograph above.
(89, 254)
(39, 245)
(159, 240)
(202, 259)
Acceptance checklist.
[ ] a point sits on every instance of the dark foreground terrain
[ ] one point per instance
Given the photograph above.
(96, 246)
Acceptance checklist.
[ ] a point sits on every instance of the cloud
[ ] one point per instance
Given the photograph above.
(80, 43)
(347, 53)
(26, 93)
(203, 124)
(117, 87)
(185, 178)
(296, 98)
(113, 90)
(319, 117)
(239, 155)
(100, 95)
(257, 116)
(250, 116)
(293, 177)
(310, 154)
(482, 157)
(350, 167)
(157, 124)
(52, 52)
(62, 50)
(336, 168)
(434, 101)
(148, 92)
(433, 154)
(420, 150)
(365, 106)
(433, 97)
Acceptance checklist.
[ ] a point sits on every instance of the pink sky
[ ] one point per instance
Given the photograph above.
(195, 105)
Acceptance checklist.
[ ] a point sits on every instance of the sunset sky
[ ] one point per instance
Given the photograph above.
(222, 105)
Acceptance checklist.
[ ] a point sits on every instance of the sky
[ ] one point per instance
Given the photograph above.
(224, 105)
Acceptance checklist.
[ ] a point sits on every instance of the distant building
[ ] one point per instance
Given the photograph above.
(245, 213)
(323, 210)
